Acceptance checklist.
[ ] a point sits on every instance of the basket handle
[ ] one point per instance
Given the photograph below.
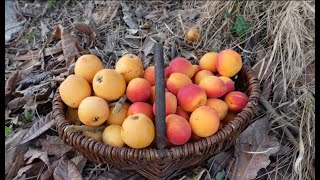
(160, 97)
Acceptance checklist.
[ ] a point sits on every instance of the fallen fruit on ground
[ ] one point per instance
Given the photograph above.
(171, 104)
(130, 67)
(218, 105)
(109, 84)
(208, 62)
(201, 75)
(181, 65)
(112, 136)
(213, 86)
(229, 63)
(96, 134)
(176, 81)
(141, 107)
(149, 75)
(192, 35)
(204, 121)
(191, 96)
(93, 111)
(87, 66)
(73, 90)
(138, 90)
(117, 119)
(236, 101)
(138, 131)
(178, 129)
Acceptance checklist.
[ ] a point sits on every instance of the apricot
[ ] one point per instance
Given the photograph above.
(171, 104)
(213, 86)
(176, 81)
(149, 75)
(112, 136)
(191, 96)
(229, 83)
(138, 90)
(204, 121)
(178, 129)
(93, 111)
(229, 63)
(72, 116)
(109, 84)
(201, 75)
(182, 113)
(87, 66)
(236, 101)
(167, 72)
(130, 67)
(181, 65)
(218, 105)
(153, 94)
(196, 69)
(73, 90)
(95, 134)
(230, 116)
(208, 61)
(117, 119)
(141, 107)
(192, 35)
(138, 131)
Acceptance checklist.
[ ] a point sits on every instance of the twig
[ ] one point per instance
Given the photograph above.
(119, 104)
(74, 128)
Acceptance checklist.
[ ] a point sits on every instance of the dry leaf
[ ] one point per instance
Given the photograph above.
(44, 29)
(29, 170)
(49, 51)
(80, 162)
(148, 46)
(18, 163)
(254, 146)
(54, 146)
(32, 154)
(33, 79)
(22, 171)
(87, 29)
(48, 173)
(66, 170)
(130, 22)
(11, 84)
(39, 127)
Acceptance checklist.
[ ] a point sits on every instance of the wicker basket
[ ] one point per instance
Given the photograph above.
(154, 163)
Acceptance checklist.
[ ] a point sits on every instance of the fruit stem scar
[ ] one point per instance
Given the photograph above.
(95, 119)
(99, 79)
(135, 117)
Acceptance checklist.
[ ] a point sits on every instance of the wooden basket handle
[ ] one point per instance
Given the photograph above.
(160, 97)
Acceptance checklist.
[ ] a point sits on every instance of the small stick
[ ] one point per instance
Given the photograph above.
(119, 104)
(74, 128)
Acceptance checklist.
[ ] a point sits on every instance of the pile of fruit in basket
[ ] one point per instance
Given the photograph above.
(200, 99)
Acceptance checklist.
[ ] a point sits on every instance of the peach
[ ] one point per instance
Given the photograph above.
(153, 94)
(176, 81)
(141, 107)
(204, 121)
(230, 116)
(149, 75)
(208, 61)
(138, 90)
(138, 131)
(181, 65)
(236, 101)
(112, 136)
(218, 105)
(213, 86)
(171, 104)
(191, 96)
(182, 113)
(229, 83)
(201, 75)
(196, 68)
(178, 129)
(229, 63)
(117, 119)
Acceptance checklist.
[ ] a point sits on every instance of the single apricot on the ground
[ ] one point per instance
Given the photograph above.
(117, 119)
(73, 90)
(213, 86)
(201, 75)
(236, 101)
(93, 111)
(138, 90)
(138, 131)
(191, 96)
(178, 129)
(72, 116)
(176, 81)
(208, 61)
(112, 136)
(141, 107)
(192, 35)
(109, 84)
(204, 121)
(229, 63)
(149, 75)
(218, 105)
(181, 65)
(229, 83)
(171, 104)
(96, 134)
(130, 67)
(182, 113)
(87, 66)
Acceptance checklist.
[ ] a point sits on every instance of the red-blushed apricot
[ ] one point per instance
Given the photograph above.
(213, 86)
(191, 96)
(229, 63)
(171, 104)
(236, 101)
(149, 75)
(181, 65)
(138, 90)
(201, 75)
(218, 105)
(141, 107)
(176, 81)
(229, 83)
(182, 113)
(209, 61)
(178, 129)
(167, 72)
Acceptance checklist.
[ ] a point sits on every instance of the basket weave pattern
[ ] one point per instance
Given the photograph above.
(163, 164)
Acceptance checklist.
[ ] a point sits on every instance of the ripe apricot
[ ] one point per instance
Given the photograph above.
(191, 96)
(182, 113)
(178, 129)
(220, 106)
(130, 67)
(229, 63)
(176, 81)
(93, 111)
(117, 119)
(95, 134)
(171, 104)
(208, 61)
(204, 121)
(149, 75)
(192, 35)
(141, 107)
(87, 66)
(213, 86)
(138, 90)
(236, 101)
(109, 84)
(229, 83)
(196, 69)
(112, 136)
(138, 131)
(181, 65)
(201, 75)
(73, 90)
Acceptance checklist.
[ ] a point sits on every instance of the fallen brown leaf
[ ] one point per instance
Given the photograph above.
(30, 170)
(148, 46)
(17, 102)
(80, 162)
(18, 163)
(34, 79)
(22, 171)
(66, 170)
(54, 146)
(48, 173)
(32, 154)
(10, 85)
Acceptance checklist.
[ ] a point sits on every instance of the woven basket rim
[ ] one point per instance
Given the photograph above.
(126, 153)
